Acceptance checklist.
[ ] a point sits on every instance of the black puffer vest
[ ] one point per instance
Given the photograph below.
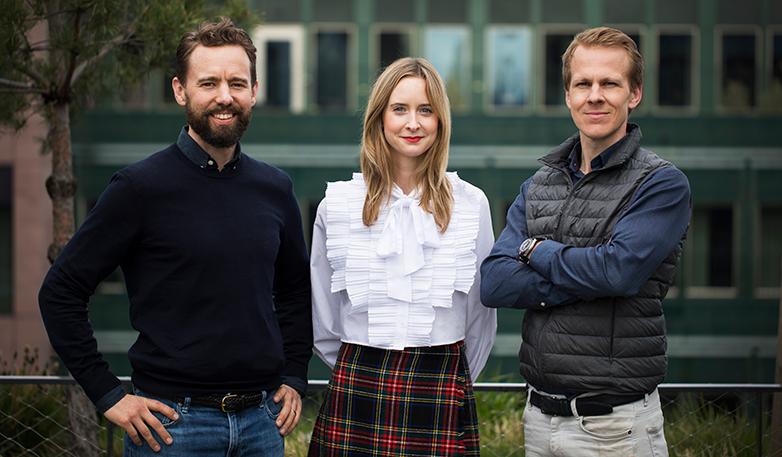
(614, 344)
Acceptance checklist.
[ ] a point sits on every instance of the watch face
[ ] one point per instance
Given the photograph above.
(526, 245)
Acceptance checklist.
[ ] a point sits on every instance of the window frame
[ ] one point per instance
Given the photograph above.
(713, 292)
(694, 108)
(351, 84)
(720, 31)
(490, 108)
(759, 291)
(295, 35)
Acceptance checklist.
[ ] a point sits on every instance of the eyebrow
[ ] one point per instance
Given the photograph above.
(425, 105)
(602, 80)
(230, 80)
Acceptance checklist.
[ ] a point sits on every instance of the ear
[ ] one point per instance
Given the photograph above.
(635, 97)
(567, 98)
(179, 91)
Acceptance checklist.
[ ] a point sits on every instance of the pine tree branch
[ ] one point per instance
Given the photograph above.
(108, 47)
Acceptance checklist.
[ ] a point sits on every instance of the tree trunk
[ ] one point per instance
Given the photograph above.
(83, 424)
(61, 186)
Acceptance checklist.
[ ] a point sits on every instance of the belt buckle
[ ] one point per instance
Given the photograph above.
(222, 402)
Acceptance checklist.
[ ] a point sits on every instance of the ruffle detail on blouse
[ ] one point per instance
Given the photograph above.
(351, 249)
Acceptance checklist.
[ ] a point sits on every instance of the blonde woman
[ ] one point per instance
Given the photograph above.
(396, 308)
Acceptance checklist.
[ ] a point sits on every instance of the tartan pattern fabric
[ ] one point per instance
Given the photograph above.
(383, 403)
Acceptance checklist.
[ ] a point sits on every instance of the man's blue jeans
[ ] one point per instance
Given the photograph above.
(208, 432)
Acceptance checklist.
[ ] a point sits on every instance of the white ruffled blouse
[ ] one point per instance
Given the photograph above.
(400, 282)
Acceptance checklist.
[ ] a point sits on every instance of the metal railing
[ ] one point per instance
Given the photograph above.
(724, 420)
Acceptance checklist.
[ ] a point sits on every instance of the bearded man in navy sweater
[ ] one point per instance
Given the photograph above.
(211, 246)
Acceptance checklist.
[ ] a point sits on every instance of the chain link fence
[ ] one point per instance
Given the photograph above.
(708, 420)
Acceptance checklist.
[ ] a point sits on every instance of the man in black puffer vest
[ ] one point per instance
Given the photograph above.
(590, 249)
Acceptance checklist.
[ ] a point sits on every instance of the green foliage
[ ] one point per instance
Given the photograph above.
(69, 51)
(499, 422)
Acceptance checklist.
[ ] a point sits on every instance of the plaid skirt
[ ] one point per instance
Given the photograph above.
(416, 402)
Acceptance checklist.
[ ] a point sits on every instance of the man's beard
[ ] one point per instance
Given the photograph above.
(221, 136)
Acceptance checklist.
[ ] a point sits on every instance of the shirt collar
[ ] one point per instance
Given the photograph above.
(574, 160)
(197, 155)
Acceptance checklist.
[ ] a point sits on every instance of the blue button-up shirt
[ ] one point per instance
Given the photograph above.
(559, 274)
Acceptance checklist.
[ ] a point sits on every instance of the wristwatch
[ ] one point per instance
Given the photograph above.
(527, 246)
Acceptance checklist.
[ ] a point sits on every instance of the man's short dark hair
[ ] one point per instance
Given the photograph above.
(210, 34)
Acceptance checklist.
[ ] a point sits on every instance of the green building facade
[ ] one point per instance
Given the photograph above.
(712, 104)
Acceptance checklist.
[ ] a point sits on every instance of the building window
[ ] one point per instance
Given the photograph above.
(770, 252)
(448, 48)
(6, 244)
(675, 69)
(390, 45)
(555, 45)
(738, 70)
(711, 252)
(331, 73)
(509, 66)
(280, 66)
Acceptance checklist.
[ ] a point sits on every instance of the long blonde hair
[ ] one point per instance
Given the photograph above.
(375, 157)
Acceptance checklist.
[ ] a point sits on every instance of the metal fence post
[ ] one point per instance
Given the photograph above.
(759, 399)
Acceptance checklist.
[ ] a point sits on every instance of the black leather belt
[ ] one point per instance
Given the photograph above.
(598, 405)
(227, 403)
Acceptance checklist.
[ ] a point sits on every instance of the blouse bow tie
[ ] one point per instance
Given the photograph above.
(407, 230)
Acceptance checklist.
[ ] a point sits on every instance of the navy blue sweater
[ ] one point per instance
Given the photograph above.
(217, 276)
